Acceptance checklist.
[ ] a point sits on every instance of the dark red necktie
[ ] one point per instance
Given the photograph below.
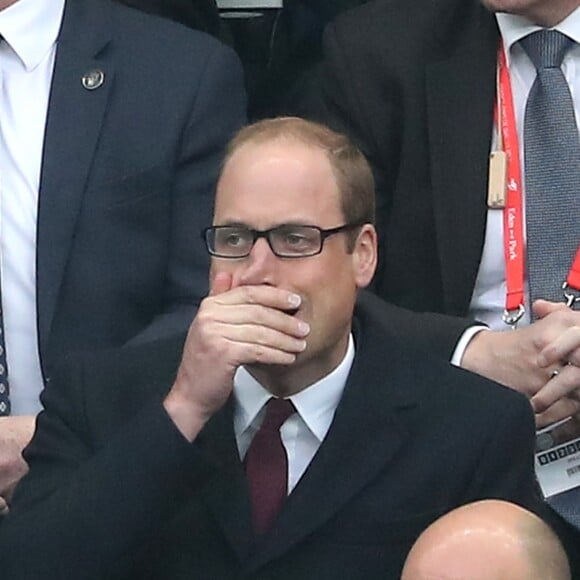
(267, 465)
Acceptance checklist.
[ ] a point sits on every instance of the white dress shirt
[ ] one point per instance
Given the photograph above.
(488, 301)
(302, 433)
(30, 29)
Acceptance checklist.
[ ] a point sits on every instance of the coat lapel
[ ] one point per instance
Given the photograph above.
(368, 418)
(75, 118)
(227, 495)
(460, 97)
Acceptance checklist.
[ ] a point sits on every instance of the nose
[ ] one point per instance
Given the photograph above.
(259, 267)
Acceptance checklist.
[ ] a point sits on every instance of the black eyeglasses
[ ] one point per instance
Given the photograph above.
(285, 241)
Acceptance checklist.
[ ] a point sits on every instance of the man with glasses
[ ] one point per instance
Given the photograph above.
(289, 435)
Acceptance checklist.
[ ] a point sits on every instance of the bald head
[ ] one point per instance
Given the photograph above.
(6, 3)
(487, 540)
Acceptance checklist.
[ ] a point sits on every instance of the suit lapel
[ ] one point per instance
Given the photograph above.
(460, 97)
(368, 418)
(227, 495)
(75, 118)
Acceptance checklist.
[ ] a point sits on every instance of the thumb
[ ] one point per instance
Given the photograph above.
(542, 308)
(220, 283)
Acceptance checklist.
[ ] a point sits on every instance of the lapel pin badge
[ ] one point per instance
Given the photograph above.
(93, 79)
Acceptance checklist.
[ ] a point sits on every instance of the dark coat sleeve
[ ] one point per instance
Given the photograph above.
(88, 491)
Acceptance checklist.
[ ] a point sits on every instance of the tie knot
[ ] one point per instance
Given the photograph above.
(546, 48)
(277, 411)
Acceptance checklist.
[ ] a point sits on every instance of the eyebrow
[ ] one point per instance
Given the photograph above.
(238, 224)
(232, 223)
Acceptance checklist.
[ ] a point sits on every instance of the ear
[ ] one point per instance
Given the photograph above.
(365, 255)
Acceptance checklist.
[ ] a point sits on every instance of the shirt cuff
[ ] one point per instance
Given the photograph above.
(463, 342)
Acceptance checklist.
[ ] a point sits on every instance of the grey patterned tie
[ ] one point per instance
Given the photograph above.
(552, 168)
(552, 165)
(4, 399)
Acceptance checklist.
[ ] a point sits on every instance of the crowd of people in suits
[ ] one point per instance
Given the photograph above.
(360, 179)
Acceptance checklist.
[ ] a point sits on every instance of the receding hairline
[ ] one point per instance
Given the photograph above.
(350, 169)
(290, 129)
(273, 139)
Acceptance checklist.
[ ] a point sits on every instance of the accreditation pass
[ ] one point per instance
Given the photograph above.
(557, 459)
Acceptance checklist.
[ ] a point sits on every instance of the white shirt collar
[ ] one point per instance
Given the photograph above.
(513, 28)
(31, 28)
(316, 404)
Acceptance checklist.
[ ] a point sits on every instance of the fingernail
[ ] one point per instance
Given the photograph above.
(302, 345)
(303, 328)
(294, 300)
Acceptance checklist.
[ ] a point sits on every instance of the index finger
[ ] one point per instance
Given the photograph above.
(262, 295)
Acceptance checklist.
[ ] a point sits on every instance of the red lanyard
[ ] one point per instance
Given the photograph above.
(573, 282)
(513, 210)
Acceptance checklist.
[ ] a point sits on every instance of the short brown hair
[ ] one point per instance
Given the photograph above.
(351, 170)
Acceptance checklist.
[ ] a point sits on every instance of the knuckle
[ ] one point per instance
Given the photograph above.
(250, 294)
(205, 304)
(215, 347)
(535, 384)
(260, 353)
(202, 320)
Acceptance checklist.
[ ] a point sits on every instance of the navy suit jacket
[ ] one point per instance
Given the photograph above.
(114, 491)
(128, 176)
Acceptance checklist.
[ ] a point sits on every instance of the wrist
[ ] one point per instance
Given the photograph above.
(189, 417)
(478, 353)
(464, 342)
